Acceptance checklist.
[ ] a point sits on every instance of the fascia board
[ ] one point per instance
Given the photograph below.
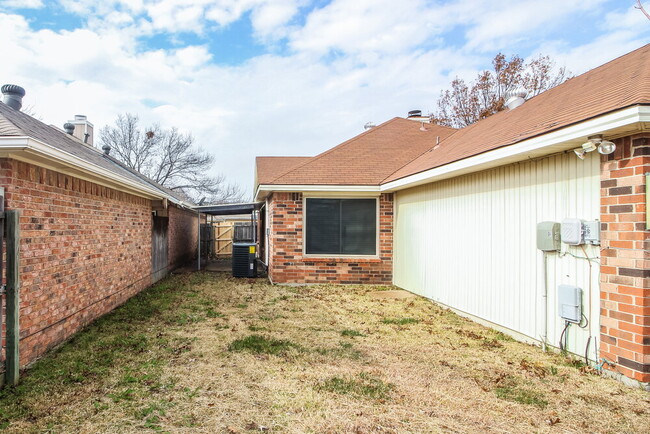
(264, 189)
(553, 142)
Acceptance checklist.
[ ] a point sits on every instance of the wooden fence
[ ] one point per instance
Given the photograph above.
(217, 237)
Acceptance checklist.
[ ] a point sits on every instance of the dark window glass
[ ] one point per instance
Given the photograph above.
(341, 226)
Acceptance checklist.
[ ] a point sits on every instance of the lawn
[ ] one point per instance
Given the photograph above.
(208, 353)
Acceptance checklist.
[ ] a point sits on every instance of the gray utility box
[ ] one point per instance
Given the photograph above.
(569, 303)
(591, 231)
(244, 262)
(548, 236)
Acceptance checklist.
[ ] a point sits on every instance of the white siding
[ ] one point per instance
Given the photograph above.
(470, 243)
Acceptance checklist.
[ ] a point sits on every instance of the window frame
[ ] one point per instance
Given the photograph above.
(339, 255)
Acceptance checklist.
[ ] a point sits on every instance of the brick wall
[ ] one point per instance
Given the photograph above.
(85, 249)
(625, 259)
(288, 265)
(182, 236)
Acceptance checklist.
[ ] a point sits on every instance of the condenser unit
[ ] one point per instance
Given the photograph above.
(244, 263)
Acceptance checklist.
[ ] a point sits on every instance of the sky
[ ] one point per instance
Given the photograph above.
(284, 77)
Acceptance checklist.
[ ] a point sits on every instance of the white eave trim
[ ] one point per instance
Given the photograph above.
(264, 189)
(29, 145)
(599, 125)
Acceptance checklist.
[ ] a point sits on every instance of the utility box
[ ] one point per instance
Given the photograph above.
(548, 236)
(244, 262)
(569, 303)
(572, 232)
(591, 231)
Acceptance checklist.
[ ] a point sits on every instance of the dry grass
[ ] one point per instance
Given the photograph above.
(208, 353)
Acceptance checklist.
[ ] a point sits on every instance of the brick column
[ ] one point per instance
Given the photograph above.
(625, 259)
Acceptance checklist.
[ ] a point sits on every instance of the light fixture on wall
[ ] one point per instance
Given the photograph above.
(580, 153)
(604, 147)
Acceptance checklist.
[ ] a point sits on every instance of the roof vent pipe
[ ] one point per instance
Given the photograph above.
(106, 149)
(13, 96)
(69, 128)
(515, 98)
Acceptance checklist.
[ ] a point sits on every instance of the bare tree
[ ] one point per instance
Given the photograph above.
(169, 158)
(464, 104)
(642, 9)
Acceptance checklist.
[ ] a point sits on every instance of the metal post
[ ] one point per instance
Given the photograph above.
(2, 287)
(199, 246)
(13, 297)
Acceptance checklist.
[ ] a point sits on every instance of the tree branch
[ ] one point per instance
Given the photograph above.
(642, 9)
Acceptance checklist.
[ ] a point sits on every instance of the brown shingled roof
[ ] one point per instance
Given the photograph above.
(15, 123)
(621, 83)
(368, 158)
(269, 168)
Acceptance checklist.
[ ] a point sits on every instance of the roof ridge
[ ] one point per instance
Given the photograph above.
(327, 152)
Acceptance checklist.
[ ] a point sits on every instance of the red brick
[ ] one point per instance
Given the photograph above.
(625, 309)
(301, 269)
(85, 249)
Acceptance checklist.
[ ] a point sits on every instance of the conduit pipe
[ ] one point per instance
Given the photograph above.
(545, 304)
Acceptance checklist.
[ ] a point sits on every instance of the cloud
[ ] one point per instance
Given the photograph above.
(348, 63)
(22, 4)
(363, 26)
(269, 18)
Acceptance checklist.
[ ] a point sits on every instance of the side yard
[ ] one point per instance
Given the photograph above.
(207, 353)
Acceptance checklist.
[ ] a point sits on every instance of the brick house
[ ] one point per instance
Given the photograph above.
(452, 215)
(92, 232)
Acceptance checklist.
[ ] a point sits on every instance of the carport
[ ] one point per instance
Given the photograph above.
(252, 209)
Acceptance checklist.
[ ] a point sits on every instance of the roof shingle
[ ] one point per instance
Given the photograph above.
(397, 148)
(370, 157)
(269, 168)
(15, 123)
(620, 83)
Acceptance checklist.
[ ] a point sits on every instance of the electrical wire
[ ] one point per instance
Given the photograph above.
(566, 326)
(586, 322)
(566, 252)
(587, 351)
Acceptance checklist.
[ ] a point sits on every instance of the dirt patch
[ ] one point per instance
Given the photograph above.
(391, 294)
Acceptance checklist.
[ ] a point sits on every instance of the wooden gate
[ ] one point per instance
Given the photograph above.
(9, 295)
(159, 248)
(223, 239)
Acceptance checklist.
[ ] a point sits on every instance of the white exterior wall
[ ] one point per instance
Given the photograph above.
(470, 243)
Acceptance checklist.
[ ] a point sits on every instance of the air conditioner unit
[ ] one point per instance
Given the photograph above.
(244, 263)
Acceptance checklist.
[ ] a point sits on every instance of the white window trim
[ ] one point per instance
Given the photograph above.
(335, 255)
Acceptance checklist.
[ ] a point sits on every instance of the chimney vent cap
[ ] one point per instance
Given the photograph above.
(12, 89)
(13, 95)
(414, 113)
(516, 97)
(80, 117)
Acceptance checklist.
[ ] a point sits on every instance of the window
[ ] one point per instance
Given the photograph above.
(341, 226)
